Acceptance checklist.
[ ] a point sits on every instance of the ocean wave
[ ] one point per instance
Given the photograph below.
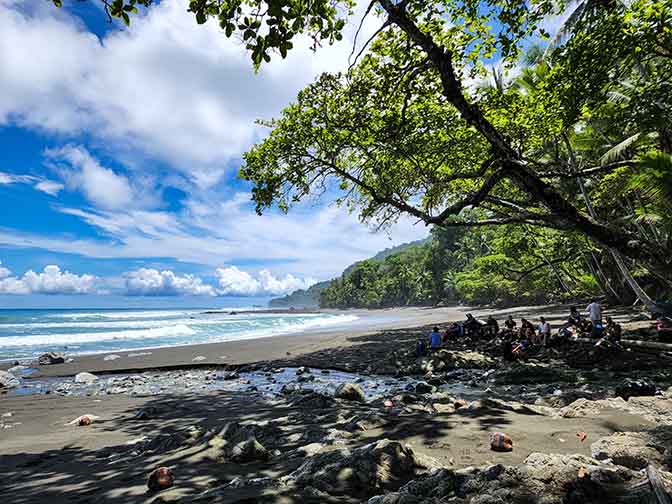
(79, 338)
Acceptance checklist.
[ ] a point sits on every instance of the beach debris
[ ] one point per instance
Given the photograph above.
(582, 436)
(85, 377)
(198, 358)
(111, 357)
(350, 392)
(501, 442)
(8, 380)
(160, 479)
(50, 358)
(84, 420)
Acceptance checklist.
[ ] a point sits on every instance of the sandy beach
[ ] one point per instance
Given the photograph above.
(260, 387)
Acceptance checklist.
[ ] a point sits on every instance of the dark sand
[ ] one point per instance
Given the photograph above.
(43, 459)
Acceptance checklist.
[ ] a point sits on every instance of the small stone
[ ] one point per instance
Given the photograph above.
(501, 442)
(198, 358)
(50, 358)
(160, 479)
(350, 392)
(111, 357)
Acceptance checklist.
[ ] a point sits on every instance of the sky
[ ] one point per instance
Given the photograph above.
(118, 161)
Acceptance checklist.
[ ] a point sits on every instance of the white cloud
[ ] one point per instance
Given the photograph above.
(40, 184)
(50, 281)
(233, 281)
(152, 282)
(101, 186)
(172, 89)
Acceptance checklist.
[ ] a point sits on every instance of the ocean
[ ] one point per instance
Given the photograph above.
(29, 333)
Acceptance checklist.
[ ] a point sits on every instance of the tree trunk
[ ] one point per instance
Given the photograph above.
(563, 213)
(615, 254)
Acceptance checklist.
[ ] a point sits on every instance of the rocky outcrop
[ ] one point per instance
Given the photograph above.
(636, 450)
(632, 388)
(350, 392)
(50, 358)
(362, 472)
(540, 479)
(531, 372)
(8, 381)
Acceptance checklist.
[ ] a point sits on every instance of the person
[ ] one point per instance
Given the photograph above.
(491, 326)
(594, 311)
(507, 347)
(574, 319)
(520, 349)
(510, 324)
(544, 331)
(452, 333)
(472, 326)
(526, 329)
(435, 339)
(611, 335)
(421, 348)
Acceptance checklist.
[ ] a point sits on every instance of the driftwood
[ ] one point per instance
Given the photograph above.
(657, 486)
(628, 343)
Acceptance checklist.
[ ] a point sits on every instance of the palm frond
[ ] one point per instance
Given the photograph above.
(617, 151)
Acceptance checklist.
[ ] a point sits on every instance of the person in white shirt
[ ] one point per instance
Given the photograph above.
(544, 331)
(594, 311)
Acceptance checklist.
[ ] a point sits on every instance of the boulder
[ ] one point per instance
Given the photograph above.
(312, 400)
(86, 378)
(361, 472)
(249, 450)
(540, 479)
(350, 392)
(8, 381)
(451, 359)
(244, 442)
(636, 450)
(528, 372)
(50, 358)
(424, 388)
(631, 388)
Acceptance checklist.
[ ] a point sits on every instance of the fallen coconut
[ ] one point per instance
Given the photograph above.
(501, 442)
(160, 479)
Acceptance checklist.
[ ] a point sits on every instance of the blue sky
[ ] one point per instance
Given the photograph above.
(118, 164)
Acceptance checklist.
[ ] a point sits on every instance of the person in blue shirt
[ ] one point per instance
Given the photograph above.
(435, 339)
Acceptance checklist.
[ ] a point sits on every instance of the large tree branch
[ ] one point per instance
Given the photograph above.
(594, 170)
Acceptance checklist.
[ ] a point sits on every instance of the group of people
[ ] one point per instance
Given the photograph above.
(518, 341)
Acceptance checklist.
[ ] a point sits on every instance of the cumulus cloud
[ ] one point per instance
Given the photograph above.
(233, 281)
(177, 91)
(50, 281)
(44, 185)
(152, 282)
(101, 186)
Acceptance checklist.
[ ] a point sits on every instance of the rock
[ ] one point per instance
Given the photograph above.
(160, 479)
(304, 378)
(501, 442)
(636, 450)
(249, 450)
(8, 381)
(302, 370)
(588, 408)
(198, 358)
(361, 472)
(424, 388)
(532, 373)
(313, 400)
(50, 358)
(540, 479)
(87, 378)
(350, 392)
(459, 360)
(233, 375)
(630, 388)
(84, 420)
(111, 357)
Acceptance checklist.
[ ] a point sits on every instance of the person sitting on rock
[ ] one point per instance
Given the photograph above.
(452, 333)
(574, 318)
(491, 326)
(510, 324)
(435, 339)
(611, 336)
(472, 326)
(544, 332)
(526, 329)
(520, 349)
